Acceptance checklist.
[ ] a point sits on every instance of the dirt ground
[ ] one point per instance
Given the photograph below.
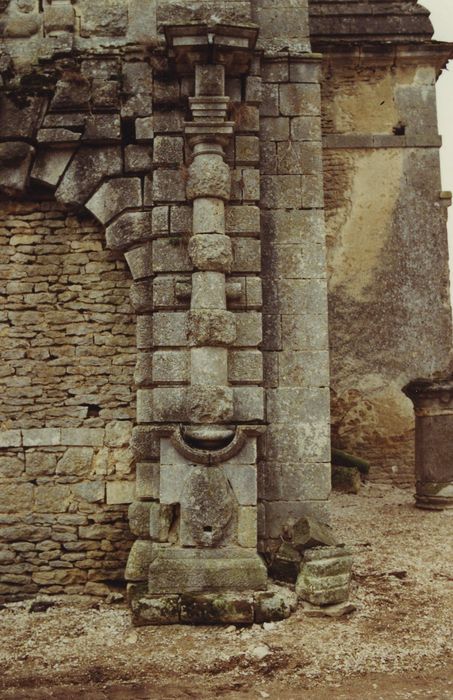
(398, 644)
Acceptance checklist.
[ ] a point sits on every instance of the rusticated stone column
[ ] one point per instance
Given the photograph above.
(433, 404)
(196, 558)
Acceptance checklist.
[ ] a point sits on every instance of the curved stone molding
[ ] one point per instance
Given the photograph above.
(203, 456)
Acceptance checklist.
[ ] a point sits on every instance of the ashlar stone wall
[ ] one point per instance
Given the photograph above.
(67, 357)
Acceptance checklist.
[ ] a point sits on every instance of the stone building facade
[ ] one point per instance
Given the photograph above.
(205, 206)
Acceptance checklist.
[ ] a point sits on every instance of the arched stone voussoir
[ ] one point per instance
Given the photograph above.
(15, 162)
(128, 229)
(113, 196)
(87, 170)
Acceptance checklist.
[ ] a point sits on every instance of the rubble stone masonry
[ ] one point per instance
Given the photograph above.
(67, 354)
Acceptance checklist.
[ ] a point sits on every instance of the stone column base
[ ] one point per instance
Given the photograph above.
(434, 496)
(219, 608)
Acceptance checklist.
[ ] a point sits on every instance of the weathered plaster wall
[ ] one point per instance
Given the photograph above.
(390, 318)
(67, 357)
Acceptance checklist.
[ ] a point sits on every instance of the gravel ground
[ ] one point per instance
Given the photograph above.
(398, 644)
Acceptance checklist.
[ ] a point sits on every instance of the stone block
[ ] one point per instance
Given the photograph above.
(211, 251)
(247, 526)
(138, 158)
(105, 94)
(140, 557)
(168, 119)
(209, 403)
(288, 226)
(294, 157)
(36, 463)
(172, 477)
(143, 372)
(170, 329)
(245, 366)
(164, 292)
(76, 461)
(247, 150)
(274, 128)
(170, 366)
(50, 164)
(306, 441)
(198, 571)
(208, 215)
(298, 99)
(145, 443)
(32, 437)
(114, 196)
(278, 513)
(249, 332)
(297, 405)
(49, 498)
(242, 478)
(211, 327)
(128, 229)
(301, 480)
(102, 128)
(168, 404)
(104, 19)
(147, 480)
(325, 576)
(253, 89)
(145, 412)
(118, 433)
(89, 491)
(209, 80)
(306, 129)
(120, 492)
(139, 261)
(277, 603)
(144, 129)
(246, 255)
(168, 150)
(160, 220)
(89, 167)
(346, 479)
(248, 403)
(168, 186)
(242, 220)
(155, 610)
(170, 255)
(139, 518)
(10, 438)
(250, 182)
(208, 365)
(217, 609)
(303, 368)
(160, 521)
(144, 332)
(208, 290)
(181, 219)
(15, 162)
(312, 191)
(16, 498)
(209, 176)
(93, 437)
(270, 101)
(305, 331)
(281, 191)
(141, 296)
(304, 71)
(254, 292)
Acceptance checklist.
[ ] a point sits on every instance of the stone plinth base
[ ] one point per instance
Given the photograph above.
(434, 496)
(177, 569)
(219, 608)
